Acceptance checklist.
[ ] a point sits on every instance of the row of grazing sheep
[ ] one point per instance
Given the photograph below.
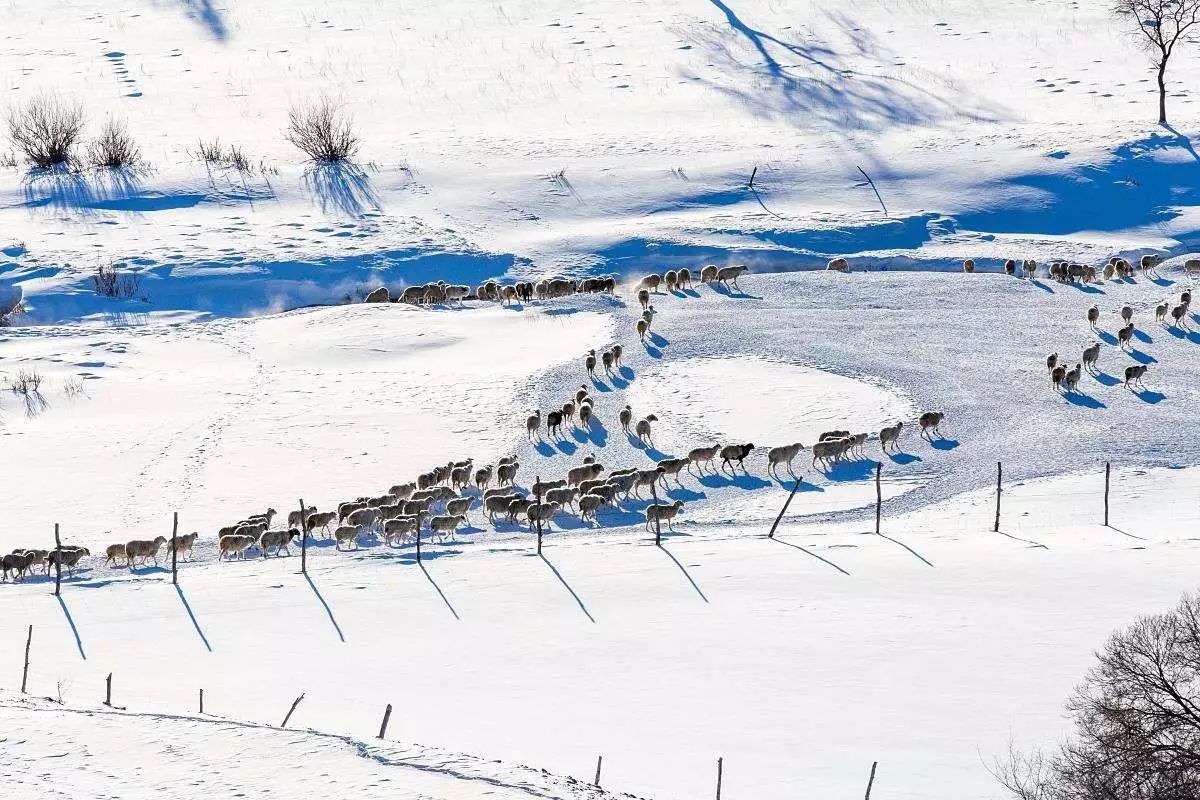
(521, 291)
(678, 280)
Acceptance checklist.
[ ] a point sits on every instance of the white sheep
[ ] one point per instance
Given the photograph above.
(783, 455)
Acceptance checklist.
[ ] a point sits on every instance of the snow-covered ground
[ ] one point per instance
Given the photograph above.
(523, 139)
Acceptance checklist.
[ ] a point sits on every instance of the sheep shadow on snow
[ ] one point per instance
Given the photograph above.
(1180, 333)
(658, 341)
(851, 470)
(1078, 398)
(1149, 396)
(1106, 379)
(723, 480)
(1040, 285)
(903, 458)
(720, 288)
(1140, 357)
(944, 444)
(1142, 336)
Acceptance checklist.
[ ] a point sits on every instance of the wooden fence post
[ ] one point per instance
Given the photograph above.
(174, 555)
(878, 495)
(657, 524)
(599, 761)
(25, 673)
(57, 563)
(303, 540)
(295, 703)
(1107, 479)
(783, 511)
(387, 715)
(538, 484)
(999, 476)
(871, 780)
(720, 763)
(201, 701)
(108, 690)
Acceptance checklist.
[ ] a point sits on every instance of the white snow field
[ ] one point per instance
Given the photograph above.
(517, 140)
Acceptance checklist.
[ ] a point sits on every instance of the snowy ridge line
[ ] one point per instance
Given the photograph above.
(531, 781)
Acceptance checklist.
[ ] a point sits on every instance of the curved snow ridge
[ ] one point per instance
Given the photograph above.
(103, 752)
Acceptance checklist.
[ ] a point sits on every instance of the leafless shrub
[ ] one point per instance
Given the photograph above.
(73, 388)
(322, 131)
(8, 159)
(114, 148)
(1136, 718)
(111, 281)
(210, 151)
(236, 158)
(232, 156)
(27, 382)
(46, 130)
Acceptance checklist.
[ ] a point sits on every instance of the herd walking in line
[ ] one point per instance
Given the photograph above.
(444, 500)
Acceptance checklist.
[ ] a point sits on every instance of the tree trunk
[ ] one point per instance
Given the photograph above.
(1162, 92)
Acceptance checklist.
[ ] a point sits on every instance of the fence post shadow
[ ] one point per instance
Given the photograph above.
(434, 583)
(195, 623)
(71, 622)
(806, 551)
(563, 581)
(683, 569)
(324, 604)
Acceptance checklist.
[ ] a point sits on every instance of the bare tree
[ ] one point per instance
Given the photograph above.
(1136, 719)
(1160, 26)
(46, 129)
(322, 130)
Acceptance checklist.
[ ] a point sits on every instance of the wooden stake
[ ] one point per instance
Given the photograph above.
(753, 172)
(783, 511)
(174, 555)
(387, 715)
(878, 495)
(108, 690)
(201, 701)
(871, 780)
(657, 524)
(1107, 480)
(999, 476)
(538, 480)
(295, 703)
(599, 761)
(57, 563)
(720, 763)
(304, 540)
(25, 673)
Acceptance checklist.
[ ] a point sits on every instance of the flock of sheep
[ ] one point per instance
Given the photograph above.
(441, 500)
(1067, 379)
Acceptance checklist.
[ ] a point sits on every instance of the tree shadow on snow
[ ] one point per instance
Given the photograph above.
(341, 187)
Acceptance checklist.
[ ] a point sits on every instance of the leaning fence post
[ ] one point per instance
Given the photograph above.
(108, 690)
(538, 486)
(599, 761)
(201, 701)
(657, 524)
(295, 703)
(878, 495)
(1107, 479)
(303, 540)
(783, 511)
(387, 715)
(999, 476)
(174, 563)
(871, 780)
(720, 763)
(57, 563)
(25, 672)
